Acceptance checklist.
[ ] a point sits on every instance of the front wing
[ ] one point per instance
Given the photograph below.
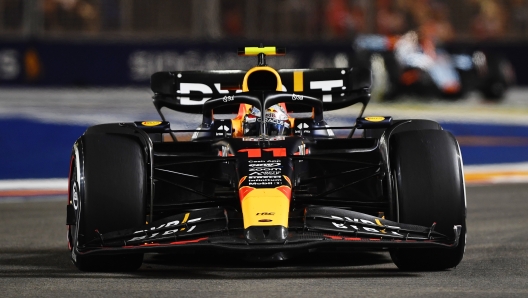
(311, 227)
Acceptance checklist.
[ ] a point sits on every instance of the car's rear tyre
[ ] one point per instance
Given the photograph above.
(108, 191)
(498, 78)
(429, 187)
(494, 91)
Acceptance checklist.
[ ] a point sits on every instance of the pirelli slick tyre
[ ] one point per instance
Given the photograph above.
(108, 191)
(429, 187)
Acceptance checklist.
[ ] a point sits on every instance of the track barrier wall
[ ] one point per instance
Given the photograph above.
(105, 63)
(32, 149)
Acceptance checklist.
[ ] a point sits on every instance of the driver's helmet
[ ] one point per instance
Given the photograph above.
(277, 123)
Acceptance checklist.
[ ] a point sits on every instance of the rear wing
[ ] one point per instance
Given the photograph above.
(187, 91)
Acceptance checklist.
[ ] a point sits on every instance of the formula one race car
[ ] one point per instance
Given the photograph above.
(408, 65)
(265, 184)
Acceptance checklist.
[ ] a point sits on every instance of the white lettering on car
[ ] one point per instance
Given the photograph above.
(154, 228)
(172, 223)
(339, 225)
(228, 98)
(364, 221)
(297, 97)
(186, 88)
(270, 165)
(367, 222)
(370, 230)
(264, 169)
(326, 86)
(138, 238)
(218, 87)
(170, 232)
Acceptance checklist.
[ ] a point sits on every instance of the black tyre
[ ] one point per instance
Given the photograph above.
(495, 90)
(429, 185)
(498, 78)
(108, 191)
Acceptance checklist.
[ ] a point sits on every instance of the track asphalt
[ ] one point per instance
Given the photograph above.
(34, 262)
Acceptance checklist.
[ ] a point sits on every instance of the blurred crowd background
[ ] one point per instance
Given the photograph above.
(443, 20)
(122, 42)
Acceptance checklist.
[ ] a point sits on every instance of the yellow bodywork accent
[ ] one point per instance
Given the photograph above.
(261, 68)
(265, 204)
(237, 126)
(185, 218)
(254, 51)
(287, 179)
(378, 222)
(298, 81)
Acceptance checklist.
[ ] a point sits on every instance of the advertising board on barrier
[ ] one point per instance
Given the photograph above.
(72, 64)
(9, 64)
(91, 63)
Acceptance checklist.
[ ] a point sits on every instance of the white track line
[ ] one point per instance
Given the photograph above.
(34, 184)
(496, 173)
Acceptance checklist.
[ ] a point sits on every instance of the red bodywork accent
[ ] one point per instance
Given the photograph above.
(243, 192)
(167, 244)
(277, 152)
(409, 77)
(229, 154)
(257, 153)
(391, 42)
(342, 238)
(306, 152)
(150, 244)
(241, 180)
(287, 179)
(189, 241)
(285, 190)
(452, 88)
(252, 153)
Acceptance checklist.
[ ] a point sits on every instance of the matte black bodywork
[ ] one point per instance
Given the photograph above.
(350, 177)
(340, 191)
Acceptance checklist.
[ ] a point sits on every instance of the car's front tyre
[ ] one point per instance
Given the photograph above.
(429, 187)
(107, 191)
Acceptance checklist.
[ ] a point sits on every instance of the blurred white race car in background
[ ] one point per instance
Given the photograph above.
(408, 65)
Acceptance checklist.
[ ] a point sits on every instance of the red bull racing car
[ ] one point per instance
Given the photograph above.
(264, 183)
